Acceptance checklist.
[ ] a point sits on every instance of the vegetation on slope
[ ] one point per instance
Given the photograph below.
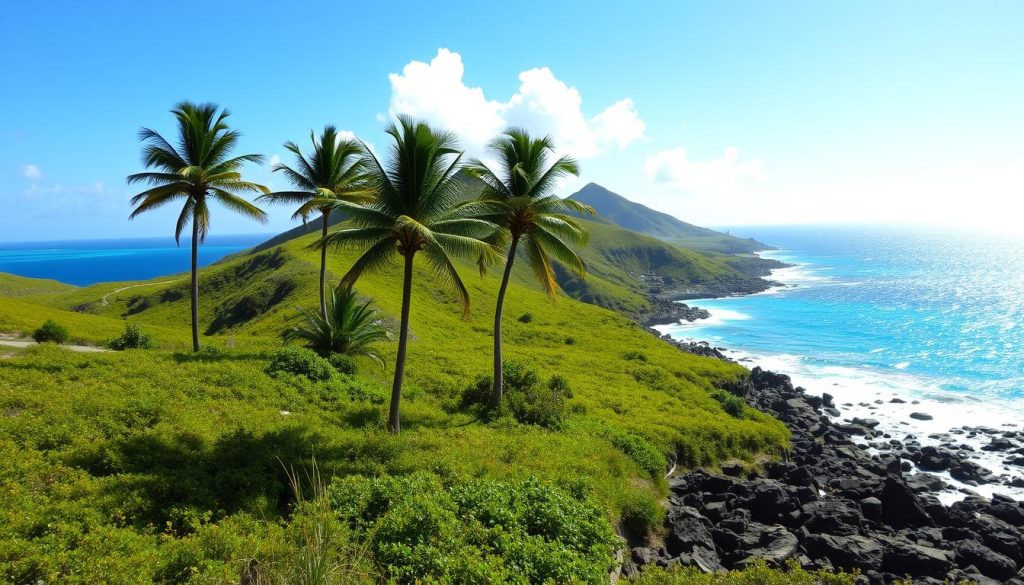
(168, 466)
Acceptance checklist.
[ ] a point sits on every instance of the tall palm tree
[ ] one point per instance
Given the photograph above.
(416, 210)
(334, 170)
(534, 222)
(199, 170)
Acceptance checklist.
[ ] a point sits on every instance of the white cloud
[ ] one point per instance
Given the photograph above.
(32, 172)
(543, 104)
(720, 176)
(274, 160)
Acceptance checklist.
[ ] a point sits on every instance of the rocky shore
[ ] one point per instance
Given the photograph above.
(836, 504)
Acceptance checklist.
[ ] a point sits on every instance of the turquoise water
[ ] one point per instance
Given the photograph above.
(90, 261)
(869, 315)
(933, 310)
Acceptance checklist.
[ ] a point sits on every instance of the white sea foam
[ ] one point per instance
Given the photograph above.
(864, 392)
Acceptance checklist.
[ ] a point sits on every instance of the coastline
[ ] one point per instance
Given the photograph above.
(832, 504)
(961, 427)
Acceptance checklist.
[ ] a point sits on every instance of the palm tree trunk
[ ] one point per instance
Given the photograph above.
(195, 285)
(323, 266)
(394, 425)
(498, 369)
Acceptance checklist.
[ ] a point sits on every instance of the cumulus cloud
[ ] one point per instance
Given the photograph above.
(543, 104)
(32, 172)
(274, 160)
(726, 175)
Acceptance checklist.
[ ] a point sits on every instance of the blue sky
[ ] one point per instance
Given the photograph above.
(722, 113)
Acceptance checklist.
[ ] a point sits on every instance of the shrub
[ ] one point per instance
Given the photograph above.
(733, 405)
(640, 450)
(757, 574)
(344, 364)
(132, 338)
(526, 398)
(526, 318)
(477, 530)
(51, 332)
(633, 355)
(300, 361)
(570, 341)
(478, 393)
(533, 403)
(641, 513)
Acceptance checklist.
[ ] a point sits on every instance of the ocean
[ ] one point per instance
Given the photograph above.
(872, 314)
(87, 262)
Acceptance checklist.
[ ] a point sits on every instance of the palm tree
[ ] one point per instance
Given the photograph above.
(534, 222)
(351, 327)
(416, 210)
(334, 170)
(199, 170)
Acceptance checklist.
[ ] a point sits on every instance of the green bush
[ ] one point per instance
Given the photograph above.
(477, 394)
(132, 338)
(633, 355)
(533, 403)
(476, 530)
(757, 574)
(641, 513)
(300, 361)
(52, 332)
(344, 364)
(525, 398)
(733, 405)
(640, 450)
(526, 318)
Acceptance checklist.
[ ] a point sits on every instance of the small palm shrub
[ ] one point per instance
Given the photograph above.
(351, 328)
(132, 338)
(51, 332)
(301, 362)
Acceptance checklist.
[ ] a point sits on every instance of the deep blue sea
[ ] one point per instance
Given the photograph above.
(90, 261)
(871, 314)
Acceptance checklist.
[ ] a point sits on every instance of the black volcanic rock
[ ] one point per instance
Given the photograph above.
(831, 504)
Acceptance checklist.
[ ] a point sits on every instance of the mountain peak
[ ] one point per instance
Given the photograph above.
(622, 211)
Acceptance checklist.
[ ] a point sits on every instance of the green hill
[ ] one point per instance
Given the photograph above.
(168, 466)
(616, 209)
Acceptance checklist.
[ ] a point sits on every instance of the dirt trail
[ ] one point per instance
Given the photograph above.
(14, 341)
(114, 292)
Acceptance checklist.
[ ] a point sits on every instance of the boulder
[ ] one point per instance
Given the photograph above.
(845, 552)
(988, 562)
(901, 508)
(906, 558)
(688, 529)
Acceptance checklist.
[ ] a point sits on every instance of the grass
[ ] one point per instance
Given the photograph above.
(164, 465)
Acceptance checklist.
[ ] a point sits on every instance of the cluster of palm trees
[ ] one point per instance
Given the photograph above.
(416, 202)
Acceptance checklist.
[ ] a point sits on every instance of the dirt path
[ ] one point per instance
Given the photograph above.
(114, 292)
(12, 341)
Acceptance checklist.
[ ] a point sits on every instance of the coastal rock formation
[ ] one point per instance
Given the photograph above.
(664, 311)
(833, 505)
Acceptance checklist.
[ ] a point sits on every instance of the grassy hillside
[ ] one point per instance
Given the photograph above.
(19, 286)
(618, 210)
(142, 466)
(623, 266)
